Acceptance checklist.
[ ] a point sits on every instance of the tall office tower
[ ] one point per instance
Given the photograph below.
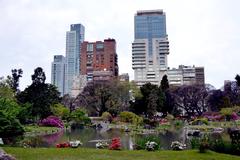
(150, 47)
(58, 75)
(99, 60)
(74, 38)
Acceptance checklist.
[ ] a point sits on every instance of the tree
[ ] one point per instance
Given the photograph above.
(164, 83)
(191, 99)
(152, 100)
(217, 99)
(9, 124)
(232, 91)
(99, 97)
(38, 77)
(40, 95)
(14, 79)
(60, 111)
(237, 78)
(5, 90)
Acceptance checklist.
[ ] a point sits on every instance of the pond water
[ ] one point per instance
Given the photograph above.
(90, 136)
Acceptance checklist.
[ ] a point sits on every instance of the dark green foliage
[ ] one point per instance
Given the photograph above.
(24, 114)
(9, 126)
(14, 79)
(152, 100)
(218, 145)
(40, 95)
(204, 144)
(195, 142)
(237, 78)
(164, 83)
(38, 77)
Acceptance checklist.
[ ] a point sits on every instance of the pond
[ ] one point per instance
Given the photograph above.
(90, 136)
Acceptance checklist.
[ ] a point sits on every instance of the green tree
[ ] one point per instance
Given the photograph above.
(5, 90)
(237, 78)
(14, 79)
(40, 95)
(79, 116)
(152, 100)
(60, 110)
(164, 83)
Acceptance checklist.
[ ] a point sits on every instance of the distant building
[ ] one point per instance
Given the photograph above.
(99, 60)
(74, 38)
(58, 75)
(186, 75)
(124, 77)
(79, 82)
(150, 47)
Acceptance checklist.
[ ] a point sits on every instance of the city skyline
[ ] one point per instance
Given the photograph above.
(200, 33)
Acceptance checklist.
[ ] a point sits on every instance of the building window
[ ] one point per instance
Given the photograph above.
(99, 46)
(89, 47)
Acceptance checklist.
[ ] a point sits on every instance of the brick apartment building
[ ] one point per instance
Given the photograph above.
(99, 60)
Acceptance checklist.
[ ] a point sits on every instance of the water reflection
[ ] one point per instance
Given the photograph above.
(89, 137)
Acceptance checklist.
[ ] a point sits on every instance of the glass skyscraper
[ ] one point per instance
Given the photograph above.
(150, 24)
(74, 38)
(58, 75)
(150, 47)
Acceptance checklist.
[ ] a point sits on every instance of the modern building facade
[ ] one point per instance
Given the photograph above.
(150, 47)
(99, 60)
(186, 75)
(58, 75)
(74, 38)
(124, 77)
(79, 82)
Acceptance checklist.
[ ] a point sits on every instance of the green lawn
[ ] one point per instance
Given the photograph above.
(94, 154)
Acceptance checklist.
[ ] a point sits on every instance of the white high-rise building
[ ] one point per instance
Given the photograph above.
(186, 75)
(150, 47)
(74, 38)
(58, 75)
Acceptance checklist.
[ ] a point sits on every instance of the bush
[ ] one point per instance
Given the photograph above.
(178, 123)
(79, 116)
(204, 144)
(52, 121)
(217, 145)
(142, 141)
(116, 144)
(195, 142)
(200, 121)
(9, 126)
(130, 117)
(106, 116)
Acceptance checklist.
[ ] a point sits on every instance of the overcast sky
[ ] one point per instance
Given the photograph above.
(201, 33)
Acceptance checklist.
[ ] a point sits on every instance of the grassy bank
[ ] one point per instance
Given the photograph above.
(39, 130)
(94, 154)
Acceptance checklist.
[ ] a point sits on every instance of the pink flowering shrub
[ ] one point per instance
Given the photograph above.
(213, 116)
(52, 121)
(234, 116)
